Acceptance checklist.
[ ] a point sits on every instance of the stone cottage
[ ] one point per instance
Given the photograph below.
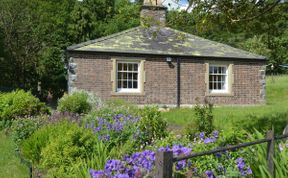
(154, 64)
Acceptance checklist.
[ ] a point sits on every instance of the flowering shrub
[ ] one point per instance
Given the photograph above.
(138, 164)
(142, 163)
(117, 129)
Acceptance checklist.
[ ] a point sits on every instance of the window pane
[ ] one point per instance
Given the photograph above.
(125, 67)
(223, 78)
(129, 84)
(219, 78)
(215, 70)
(223, 86)
(135, 84)
(125, 84)
(219, 85)
(119, 66)
(124, 75)
(135, 76)
(135, 67)
(130, 76)
(210, 86)
(130, 66)
(119, 75)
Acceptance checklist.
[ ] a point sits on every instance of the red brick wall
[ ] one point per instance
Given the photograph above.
(94, 74)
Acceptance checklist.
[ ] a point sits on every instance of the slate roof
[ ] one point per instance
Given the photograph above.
(162, 41)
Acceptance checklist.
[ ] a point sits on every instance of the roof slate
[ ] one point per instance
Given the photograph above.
(162, 41)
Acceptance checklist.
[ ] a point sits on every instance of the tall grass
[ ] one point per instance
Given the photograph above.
(259, 153)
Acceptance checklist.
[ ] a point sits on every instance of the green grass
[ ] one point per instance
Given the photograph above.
(227, 116)
(10, 165)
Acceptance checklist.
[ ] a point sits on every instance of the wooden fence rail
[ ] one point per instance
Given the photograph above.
(165, 160)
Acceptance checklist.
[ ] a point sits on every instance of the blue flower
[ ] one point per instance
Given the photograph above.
(209, 140)
(202, 135)
(215, 134)
(97, 174)
(209, 174)
(218, 155)
(249, 171)
(180, 165)
(121, 176)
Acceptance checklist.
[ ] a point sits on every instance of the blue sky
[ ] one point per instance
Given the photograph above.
(180, 4)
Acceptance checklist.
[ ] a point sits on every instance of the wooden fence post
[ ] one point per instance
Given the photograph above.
(164, 164)
(270, 151)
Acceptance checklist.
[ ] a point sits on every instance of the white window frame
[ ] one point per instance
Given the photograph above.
(114, 77)
(226, 74)
(128, 90)
(229, 80)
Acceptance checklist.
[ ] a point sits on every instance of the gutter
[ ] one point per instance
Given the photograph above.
(178, 79)
(145, 54)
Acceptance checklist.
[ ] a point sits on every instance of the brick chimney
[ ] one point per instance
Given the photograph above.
(153, 13)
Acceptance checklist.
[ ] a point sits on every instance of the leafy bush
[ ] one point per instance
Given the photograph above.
(23, 128)
(63, 151)
(19, 104)
(151, 125)
(77, 102)
(56, 147)
(203, 121)
(31, 148)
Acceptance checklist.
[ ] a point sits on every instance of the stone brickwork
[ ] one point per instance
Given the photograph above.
(153, 15)
(93, 73)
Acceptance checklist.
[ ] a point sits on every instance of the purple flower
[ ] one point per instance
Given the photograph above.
(113, 165)
(218, 155)
(209, 140)
(180, 165)
(215, 134)
(121, 176)
(97, 174)
(209, 174)
(241, 166)
(202, 135)
(249, 171)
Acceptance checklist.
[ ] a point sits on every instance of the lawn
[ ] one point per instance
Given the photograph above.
(10, 165)
(227, 116)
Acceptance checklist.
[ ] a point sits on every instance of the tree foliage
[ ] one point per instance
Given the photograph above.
(257, 26)
(35, 33)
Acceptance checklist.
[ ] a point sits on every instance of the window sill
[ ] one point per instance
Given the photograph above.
(219, 94)
(127, 93)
